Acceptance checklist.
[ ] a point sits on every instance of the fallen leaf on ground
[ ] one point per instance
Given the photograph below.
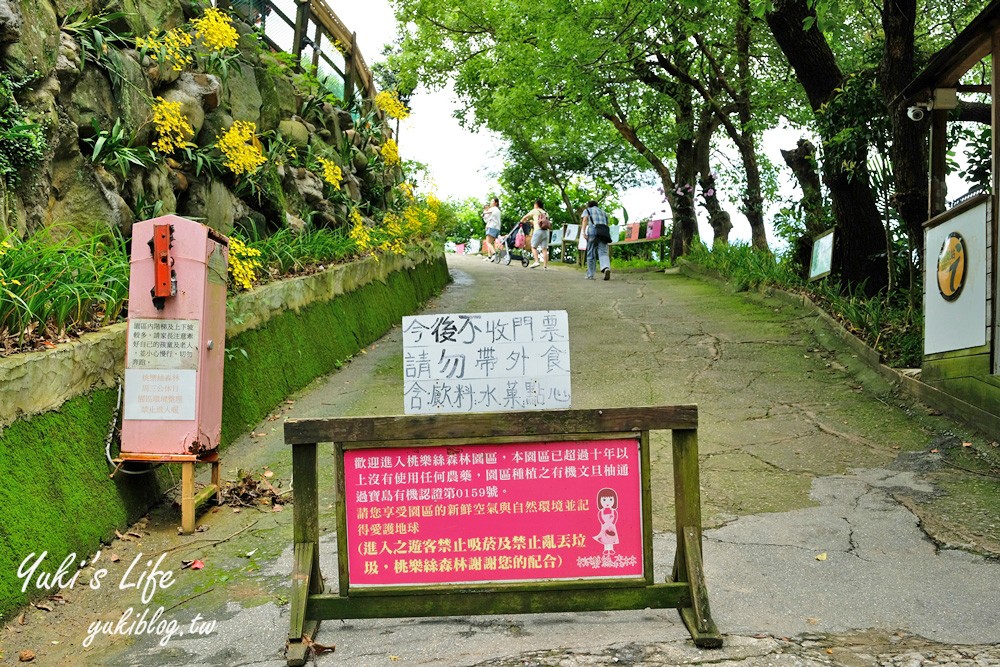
(278, 508)
(197, 565)
(121, 537)
(257, 435)
(829, 651)
(268, 473)
(26, 655)
(23, 618)
(135, 534)
(42, 606)
(237, 510)
(821, 556)
(115, 558)
(320, 648)
(289, 402)
(812, 621)
(967, 444)
(201, 529)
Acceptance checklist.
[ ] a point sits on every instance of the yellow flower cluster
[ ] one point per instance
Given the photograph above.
(171, 46)
(173, 128)
(390, 152)
(241, 149)
(4, 280)
(393, 228)
(389, 102)
(216, 30)
(332, 173)
(359, 233)
(243, 263)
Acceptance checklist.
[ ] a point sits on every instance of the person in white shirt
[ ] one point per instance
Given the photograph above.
(491, 216)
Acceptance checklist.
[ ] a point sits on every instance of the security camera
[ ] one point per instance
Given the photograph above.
(916, 113)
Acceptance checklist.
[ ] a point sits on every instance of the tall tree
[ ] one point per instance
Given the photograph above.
(859, 249)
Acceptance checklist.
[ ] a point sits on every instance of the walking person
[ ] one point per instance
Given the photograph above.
(540, 235)
(594, 226)
(491, 216)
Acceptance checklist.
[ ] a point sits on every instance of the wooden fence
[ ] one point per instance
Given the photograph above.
(313, 32)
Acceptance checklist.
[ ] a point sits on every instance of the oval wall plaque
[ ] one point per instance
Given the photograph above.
(952, 266)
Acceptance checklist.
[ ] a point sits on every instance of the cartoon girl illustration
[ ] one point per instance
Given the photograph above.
(607, 514)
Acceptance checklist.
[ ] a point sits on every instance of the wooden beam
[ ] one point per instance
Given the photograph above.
(468, 426)
(938, 190)
(659, 596)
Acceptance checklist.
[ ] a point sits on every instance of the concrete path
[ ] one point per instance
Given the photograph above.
(818, 485)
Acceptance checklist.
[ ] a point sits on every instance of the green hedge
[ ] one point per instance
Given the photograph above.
(55, 494)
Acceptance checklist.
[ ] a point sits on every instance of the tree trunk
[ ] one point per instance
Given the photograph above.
(859, 247)
(753, 202)
(718, 218)
(909, 151)
(685, 216)
(802, 161)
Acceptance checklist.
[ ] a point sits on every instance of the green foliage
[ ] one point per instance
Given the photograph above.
(287, 252)
(114, 150)
(888, 324)
(95, 33)
(60, 286)
(745, 267)
(22, 142)
(464, 221)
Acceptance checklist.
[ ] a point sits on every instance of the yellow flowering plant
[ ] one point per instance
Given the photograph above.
(359, 232)
(215, 30)
(332, 173)
(241, 150)
(172, 128)
(169, 49)
(390, 152)
(243, 264)
(388, 101)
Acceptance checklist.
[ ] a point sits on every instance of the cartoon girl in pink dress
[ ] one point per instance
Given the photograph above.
(607, 514)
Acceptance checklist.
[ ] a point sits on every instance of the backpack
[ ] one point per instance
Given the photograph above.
(543, 221)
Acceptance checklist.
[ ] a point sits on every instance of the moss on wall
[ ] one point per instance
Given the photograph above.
(56, 495)
(291, 349)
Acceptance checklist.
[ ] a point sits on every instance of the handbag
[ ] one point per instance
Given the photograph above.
(519, 239)
(602, 233)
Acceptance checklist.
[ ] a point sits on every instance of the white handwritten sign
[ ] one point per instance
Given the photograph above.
(486, 362)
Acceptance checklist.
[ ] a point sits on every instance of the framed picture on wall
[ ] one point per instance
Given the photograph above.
(822, 256)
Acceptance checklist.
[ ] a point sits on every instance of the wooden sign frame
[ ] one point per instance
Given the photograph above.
(685, 590)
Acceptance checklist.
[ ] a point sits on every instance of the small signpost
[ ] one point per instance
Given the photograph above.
(821, 260)
(502, 513)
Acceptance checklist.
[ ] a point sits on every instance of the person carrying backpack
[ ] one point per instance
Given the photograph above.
(540, 236)
(594, 223)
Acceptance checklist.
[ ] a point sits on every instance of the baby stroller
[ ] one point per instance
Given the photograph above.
(508, 250)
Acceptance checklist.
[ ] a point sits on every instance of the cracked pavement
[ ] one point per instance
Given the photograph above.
(804, 452)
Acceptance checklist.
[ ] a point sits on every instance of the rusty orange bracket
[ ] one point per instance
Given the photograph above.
(161, 261)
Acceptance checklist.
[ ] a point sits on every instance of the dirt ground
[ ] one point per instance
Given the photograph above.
(804, 451)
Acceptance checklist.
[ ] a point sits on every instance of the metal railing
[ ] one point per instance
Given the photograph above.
(311, 31)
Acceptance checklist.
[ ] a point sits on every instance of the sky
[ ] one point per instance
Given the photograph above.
(465, 164)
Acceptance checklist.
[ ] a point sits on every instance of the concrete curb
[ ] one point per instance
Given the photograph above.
(970, 415)
(38, 382)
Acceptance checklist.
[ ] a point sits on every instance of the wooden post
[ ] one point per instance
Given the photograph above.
(938, 190)
(688, 557)
(217, 479)
(187, 497)
(301, 25)
(317, 41)
(350, 70)
(994, 209)
(306, 576)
